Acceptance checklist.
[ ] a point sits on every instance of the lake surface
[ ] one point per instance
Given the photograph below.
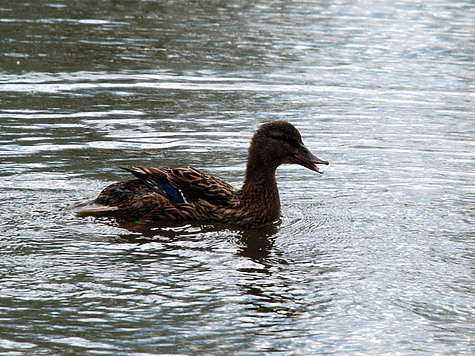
(376, 256)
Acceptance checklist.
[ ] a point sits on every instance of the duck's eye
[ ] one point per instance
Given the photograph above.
(293, 142)
(282, 137)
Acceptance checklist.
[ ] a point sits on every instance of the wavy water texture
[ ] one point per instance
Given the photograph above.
(372, 257)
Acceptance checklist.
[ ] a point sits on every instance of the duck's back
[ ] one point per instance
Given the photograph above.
(167, 194)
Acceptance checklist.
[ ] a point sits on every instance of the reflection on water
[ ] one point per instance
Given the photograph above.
(374, 255)
(253, 244)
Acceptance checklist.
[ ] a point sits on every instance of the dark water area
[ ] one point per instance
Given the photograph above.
(375, 256)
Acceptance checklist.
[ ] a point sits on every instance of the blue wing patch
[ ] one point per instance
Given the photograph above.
(173, 194)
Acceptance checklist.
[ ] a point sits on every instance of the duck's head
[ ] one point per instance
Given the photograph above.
(278, 142)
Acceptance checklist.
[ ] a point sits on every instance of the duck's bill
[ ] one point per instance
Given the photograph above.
(307, 159)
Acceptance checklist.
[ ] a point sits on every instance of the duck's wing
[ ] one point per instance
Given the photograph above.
(188, 184)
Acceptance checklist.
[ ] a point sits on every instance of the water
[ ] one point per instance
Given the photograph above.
(373, 257)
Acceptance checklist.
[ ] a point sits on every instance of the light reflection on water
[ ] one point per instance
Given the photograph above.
(372, 257)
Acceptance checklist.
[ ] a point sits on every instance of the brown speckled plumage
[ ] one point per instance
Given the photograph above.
(186, 194)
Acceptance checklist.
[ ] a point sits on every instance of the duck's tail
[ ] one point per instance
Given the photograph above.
(90, 207)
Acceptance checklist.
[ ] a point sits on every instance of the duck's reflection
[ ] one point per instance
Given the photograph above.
(263, 273)
(258, 243)
(255, 243)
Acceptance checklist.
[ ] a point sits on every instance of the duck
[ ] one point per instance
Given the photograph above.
(190, 195)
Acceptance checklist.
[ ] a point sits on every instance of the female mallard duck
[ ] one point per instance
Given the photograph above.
(186, 194)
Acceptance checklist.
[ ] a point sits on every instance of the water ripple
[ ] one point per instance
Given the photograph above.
(382, 240)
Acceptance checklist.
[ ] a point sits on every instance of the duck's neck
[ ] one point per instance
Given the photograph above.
(259, 192)
(256, 173)
(260, 167)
